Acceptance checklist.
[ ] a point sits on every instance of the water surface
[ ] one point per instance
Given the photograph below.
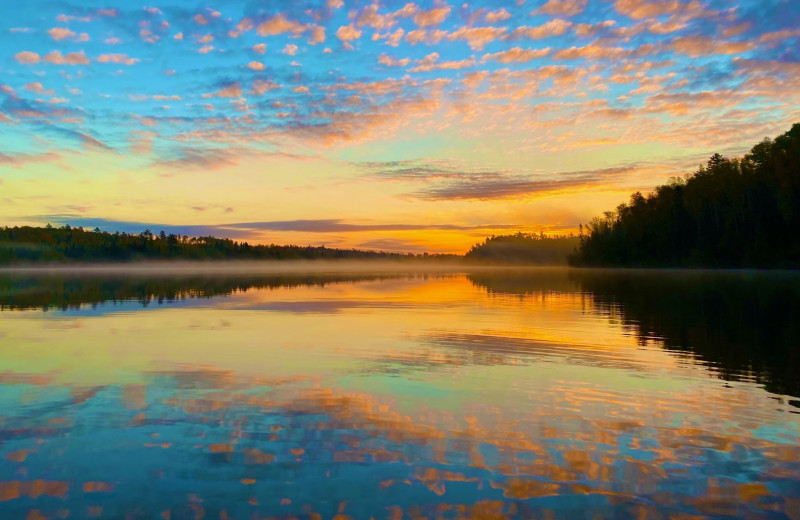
(493, 394)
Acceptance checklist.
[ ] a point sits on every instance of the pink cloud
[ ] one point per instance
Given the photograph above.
(260, 48)
(72, 58)
(37, 88)
(255, 65)
(262, 86)
(121, 59)
(27, 57)
(290, 49)
(60, 33)
(199, 19)
(205, 49)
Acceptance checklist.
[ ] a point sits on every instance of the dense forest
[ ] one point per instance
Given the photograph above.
(524, 248)
(20, 245)
(742, 212)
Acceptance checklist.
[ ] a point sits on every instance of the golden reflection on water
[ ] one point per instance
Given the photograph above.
(405, 397)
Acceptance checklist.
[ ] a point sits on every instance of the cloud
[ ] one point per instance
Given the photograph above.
(37, 88)
(120, 59)
(261, 86)
(60, 33)
(231, 90)
(430, 62)
(498, 15)
(549, 29)
(638, 9)
(280, 24)
(27, 57)
(563, 7)
(290, 49)
(477, 37)
(72, 58)
(389, 61)
(432, 17)
(255, 65)
(19, 160)
(260, 48)
(341, 226)
(499, 186)
(348, 33)
(698, 45)
(516, 55)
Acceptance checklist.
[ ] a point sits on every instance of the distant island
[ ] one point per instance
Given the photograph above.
(524, 248)
(731, 213)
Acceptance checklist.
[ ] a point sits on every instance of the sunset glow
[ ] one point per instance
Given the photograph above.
(399, 126)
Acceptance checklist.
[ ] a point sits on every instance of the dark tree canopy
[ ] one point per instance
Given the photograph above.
(735, 213)
(524, 248)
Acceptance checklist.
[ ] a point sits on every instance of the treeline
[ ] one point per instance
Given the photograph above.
(735, 213)
(21, 245)
(524, 248)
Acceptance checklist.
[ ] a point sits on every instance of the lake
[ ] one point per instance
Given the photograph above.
(529, 393)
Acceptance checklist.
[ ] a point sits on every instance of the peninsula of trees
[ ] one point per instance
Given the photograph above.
(732, 213)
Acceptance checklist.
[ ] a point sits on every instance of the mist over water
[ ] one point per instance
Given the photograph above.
(388, 392)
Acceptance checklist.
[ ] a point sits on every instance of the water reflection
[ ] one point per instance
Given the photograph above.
(532, 394)
(745, 324)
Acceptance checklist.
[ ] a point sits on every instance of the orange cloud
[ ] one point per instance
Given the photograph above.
(255, 65)
(279, 24)
(698, 45)
(232, 90)
(517, 55)
(477, 37)
(430, 62)
(497, 16)
(385, 59)
(348, 33)
(260, 48)
(638, 9)
(562, 7)
(555, 27)
(432, 17)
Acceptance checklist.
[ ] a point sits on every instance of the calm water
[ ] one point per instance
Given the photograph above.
(506, 394)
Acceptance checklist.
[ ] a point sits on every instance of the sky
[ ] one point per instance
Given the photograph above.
(399, 126)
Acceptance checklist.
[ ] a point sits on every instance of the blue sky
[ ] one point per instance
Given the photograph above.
(400, 125)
